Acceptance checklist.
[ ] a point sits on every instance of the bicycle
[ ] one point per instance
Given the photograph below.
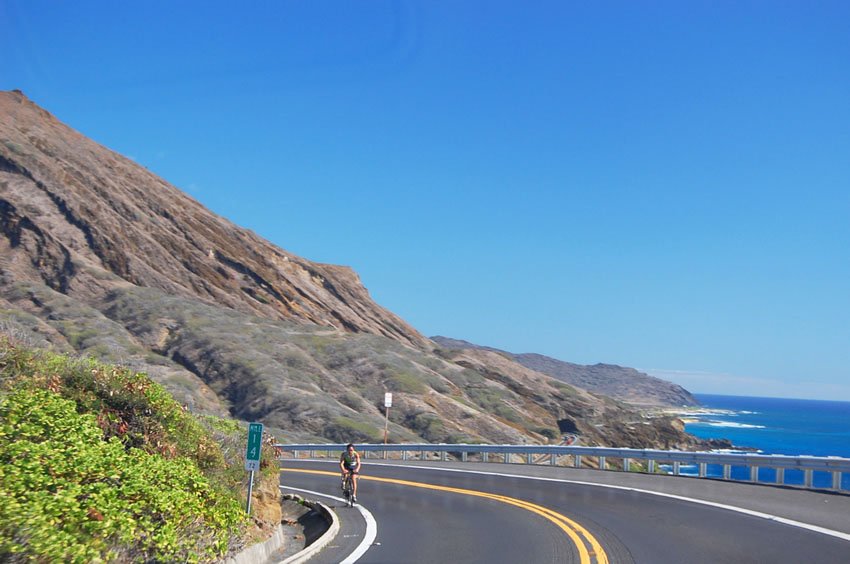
(348, 488)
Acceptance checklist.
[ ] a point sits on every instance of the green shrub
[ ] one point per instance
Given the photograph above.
(566, 388)
(406, 383)
(345, 429)
(70, 495)
(429, 425)
(548, 432)
(352, 400)
(173, 480)
(127, 405)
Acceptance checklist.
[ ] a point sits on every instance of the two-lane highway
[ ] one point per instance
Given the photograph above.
(430, 515)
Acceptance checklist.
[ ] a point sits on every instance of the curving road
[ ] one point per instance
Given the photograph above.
(432, 515)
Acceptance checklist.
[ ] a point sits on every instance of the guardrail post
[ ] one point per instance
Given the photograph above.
(404, 455)
(808, 477)
(650, 466)
(727, 471)
(463, 456)
(780, 476)
(676, 465)
(444, 456)
(529, 458)
(754, 473)
(577, 461)
(627, 465)
(553, 459)
(836, 480)
(485, 457)
(703, 469)
(603, 465)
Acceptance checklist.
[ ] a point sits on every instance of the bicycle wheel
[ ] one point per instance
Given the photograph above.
(349, 491)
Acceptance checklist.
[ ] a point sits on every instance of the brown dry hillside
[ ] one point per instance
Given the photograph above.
(100, 257)
(85, 220)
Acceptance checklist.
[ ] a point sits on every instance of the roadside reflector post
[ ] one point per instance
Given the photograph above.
(388, 403)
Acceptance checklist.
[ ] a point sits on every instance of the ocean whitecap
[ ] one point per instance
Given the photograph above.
(732, 424)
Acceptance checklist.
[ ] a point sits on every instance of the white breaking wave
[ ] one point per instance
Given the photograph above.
(732, 424)
(702, 412)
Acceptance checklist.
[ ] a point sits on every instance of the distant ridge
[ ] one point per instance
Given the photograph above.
(622, 383)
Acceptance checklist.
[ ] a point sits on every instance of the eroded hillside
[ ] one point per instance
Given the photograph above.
(100, 257)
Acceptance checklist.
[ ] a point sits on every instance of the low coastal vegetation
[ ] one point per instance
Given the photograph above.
(100, 463)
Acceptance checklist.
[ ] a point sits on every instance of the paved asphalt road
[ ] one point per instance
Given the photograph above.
(430, 525)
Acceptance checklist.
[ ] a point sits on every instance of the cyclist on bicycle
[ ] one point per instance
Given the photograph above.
(349, 462)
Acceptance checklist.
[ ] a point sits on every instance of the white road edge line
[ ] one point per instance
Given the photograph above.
(371, 525)
(768, 516)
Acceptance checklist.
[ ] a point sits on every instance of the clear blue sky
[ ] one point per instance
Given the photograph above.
(663, 185)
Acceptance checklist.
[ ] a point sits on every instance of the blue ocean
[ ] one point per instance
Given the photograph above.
(775, 426)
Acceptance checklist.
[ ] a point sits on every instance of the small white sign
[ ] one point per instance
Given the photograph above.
(388, 399)
(252, 465)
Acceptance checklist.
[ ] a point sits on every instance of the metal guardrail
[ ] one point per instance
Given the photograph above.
(812, 472)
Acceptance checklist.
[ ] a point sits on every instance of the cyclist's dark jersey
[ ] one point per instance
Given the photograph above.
(349, 461)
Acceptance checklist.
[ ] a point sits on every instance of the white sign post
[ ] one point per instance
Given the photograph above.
(388, 403)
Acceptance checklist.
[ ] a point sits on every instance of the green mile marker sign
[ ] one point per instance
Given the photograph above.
(255, 441)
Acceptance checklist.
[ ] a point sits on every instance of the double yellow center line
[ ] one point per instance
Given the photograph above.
(589, 549)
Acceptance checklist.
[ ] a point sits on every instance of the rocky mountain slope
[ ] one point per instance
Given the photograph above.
(85, 220)
(100, 257)
(625, 384)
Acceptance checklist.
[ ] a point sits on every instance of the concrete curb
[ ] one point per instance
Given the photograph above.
(320, 542)
(260, 552)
